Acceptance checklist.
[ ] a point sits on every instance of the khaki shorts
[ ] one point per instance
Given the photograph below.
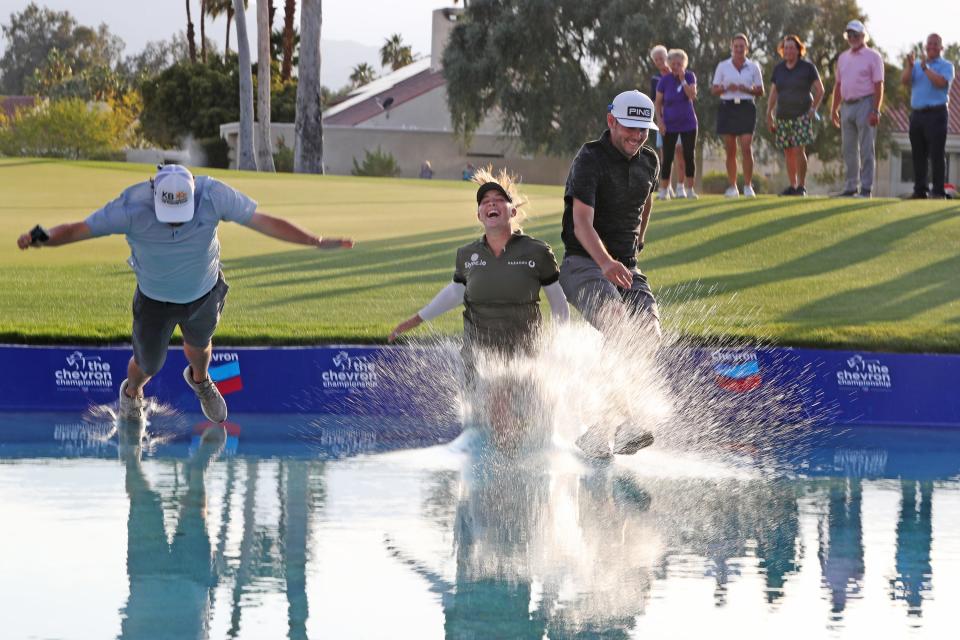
(154, 322)
(588, 291)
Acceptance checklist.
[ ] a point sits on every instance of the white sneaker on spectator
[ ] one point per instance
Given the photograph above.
(670, 191)
(691, 194)
(732, 192)
(748, 191)
(663, 194)
(681, 191)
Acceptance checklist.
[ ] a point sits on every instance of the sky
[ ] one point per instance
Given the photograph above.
(140, 21)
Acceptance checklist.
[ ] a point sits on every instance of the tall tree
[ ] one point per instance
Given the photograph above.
(33, 33)
(217, 8)
(308, 143)
(191, 36)
(395, 53)
(203, 31)
(246, 156)
(265, 148)
(286, 67)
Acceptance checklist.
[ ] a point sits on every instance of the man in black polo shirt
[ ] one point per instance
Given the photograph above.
(606, 211)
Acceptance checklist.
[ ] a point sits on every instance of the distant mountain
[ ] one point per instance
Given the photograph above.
(339, 57)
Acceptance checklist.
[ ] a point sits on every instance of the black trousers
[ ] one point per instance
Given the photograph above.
(688, 139)
(928, 141)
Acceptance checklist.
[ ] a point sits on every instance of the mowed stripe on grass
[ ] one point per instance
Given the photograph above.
(880, 274)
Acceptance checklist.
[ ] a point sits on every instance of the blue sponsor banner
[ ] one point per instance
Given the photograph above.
(853, 387)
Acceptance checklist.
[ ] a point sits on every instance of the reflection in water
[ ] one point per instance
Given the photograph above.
(914, 537)
(841, 543)
(539, 546)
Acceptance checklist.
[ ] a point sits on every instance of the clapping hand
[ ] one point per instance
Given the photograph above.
(911, 59)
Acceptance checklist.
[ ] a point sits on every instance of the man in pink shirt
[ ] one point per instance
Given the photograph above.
(859, 88)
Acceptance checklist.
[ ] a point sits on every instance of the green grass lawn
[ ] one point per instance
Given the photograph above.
(880, 274)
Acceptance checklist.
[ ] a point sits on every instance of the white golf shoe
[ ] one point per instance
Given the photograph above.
(748, 191)
(211, 402)
(732, 192)
(130, 408)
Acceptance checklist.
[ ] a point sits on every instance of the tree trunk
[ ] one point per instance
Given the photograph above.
(308, 145)
(286, 68)
(265, 148)
(226, 47)
(246, 157)
(191, 37)
(203, 31)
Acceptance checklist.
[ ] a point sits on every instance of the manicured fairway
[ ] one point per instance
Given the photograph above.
(881, 274)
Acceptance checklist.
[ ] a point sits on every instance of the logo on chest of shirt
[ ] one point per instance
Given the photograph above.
(474, 261)
(522, 263)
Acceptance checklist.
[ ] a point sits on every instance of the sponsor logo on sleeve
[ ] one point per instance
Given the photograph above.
(84, 372)
(865, 373)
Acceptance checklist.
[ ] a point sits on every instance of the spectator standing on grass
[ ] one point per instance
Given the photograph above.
(170, 223)
(676, 93)
(796, 109)
(426, 170)
(857, 100)
(929, 81)
(658, 55)
(739, 83)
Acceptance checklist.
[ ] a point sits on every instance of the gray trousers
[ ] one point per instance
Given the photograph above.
(859, 153)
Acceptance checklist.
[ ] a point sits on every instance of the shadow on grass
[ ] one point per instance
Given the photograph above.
(859, 248)
(931, 286)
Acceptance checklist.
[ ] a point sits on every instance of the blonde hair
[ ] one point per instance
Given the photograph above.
(678, 53)
(509, 182)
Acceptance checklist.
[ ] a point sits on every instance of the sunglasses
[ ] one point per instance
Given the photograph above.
(854, 34)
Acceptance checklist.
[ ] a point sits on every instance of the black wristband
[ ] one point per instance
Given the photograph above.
(38, 235)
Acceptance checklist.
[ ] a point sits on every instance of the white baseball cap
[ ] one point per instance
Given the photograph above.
(633, 109)
(173, 193)
(855, 25)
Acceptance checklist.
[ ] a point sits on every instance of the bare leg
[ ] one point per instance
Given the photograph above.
(199, 359)
(802, 166)
(790, 154)
(730, 143)
(136, 379)
(746, 149)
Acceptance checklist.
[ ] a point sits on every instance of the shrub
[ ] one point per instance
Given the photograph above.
(216, 152)
(379, 163)
(68, 128)
(283, 158)
(716, 182)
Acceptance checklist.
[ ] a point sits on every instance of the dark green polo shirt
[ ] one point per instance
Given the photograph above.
(502, 297)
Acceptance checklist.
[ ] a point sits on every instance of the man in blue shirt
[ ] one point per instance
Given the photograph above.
(170, 223)
(929, 80)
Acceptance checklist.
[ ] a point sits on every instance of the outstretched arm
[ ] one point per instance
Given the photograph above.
(58, 235)
(450, 297)
(288, 232)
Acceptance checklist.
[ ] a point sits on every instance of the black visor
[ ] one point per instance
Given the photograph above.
(492, 186)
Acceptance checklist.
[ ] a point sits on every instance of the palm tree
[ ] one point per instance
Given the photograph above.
(265, 148)
(191, 39)
(395, 53)
(362, 74)
(246, 158)
(308, 143)
(286, 67)
(203, 31)
(216, 8)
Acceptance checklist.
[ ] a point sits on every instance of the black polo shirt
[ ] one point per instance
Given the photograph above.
(617, 188)
(502, 296)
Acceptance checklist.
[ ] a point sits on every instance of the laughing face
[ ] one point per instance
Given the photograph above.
(495, 212)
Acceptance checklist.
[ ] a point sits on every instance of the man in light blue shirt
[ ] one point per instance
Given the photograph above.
(929, 81)
(170, 223)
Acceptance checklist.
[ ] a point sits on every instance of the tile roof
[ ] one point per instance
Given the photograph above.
(402, 86)
(900, 118)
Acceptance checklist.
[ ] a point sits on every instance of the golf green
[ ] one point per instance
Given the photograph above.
(868, 274)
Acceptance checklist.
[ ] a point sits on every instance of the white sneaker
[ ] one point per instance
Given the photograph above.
(732, 192)
(211, 402)
(670, 191)
(681, 191)
(748, 191)
(129, 408)
(691, 194)
(663, 194)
